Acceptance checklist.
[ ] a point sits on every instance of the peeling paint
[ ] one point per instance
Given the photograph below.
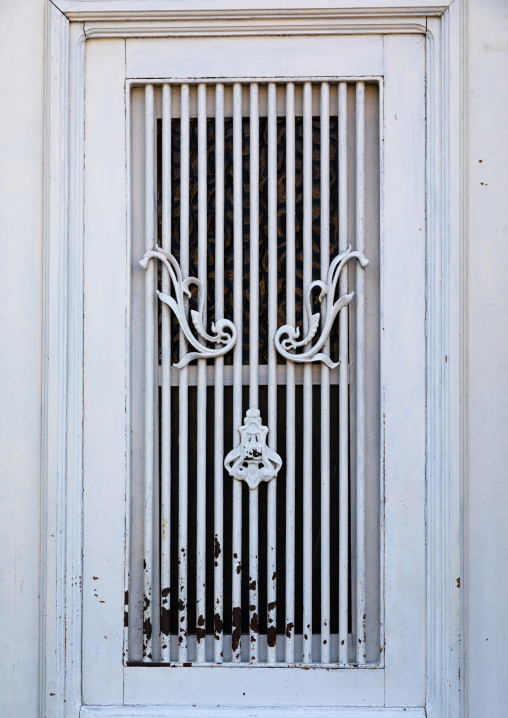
(165, 620)
(218, 626)
(237, 628)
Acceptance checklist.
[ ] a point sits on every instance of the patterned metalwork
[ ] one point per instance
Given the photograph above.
(223, 331)
(253, 461)
(263, 219)
(286, 347)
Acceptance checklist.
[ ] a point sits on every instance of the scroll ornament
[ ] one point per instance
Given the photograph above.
(287, 346)
(224, 333)
(253, 461)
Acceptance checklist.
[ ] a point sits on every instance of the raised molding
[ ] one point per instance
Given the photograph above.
(214, 712)
(69, 24)
(204, 11)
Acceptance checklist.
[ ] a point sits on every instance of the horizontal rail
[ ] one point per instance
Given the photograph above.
(263, 375)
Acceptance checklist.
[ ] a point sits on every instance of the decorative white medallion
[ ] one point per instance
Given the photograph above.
(224, 331)
(289, 345)
(253, 461)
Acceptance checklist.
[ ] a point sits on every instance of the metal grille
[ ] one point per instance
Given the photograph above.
(255, 543)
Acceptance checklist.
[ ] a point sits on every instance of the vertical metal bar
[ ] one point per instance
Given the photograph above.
(272, 370)
(343, 388)
(360, 375)
(325, 376)
(237, 363)
(290, 374)
(149, 371)
(183, 423)
(166, 384)
(253, 361)
(219, 378)
(307, 379)
(201, 390)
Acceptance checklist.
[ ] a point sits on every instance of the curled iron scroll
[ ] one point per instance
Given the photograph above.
(287, 347)
(224, 332)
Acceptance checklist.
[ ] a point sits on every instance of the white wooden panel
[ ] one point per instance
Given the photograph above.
(403, 368)
(104, 453)
(254, 687)
(252, 57)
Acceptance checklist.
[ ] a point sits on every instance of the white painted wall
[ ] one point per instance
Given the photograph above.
(486, 579)
(21, 148)
(485, 583)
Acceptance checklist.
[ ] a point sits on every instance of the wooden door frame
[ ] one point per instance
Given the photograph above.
(70, 23)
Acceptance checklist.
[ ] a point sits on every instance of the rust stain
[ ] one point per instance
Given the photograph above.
(271, 636)
(126, 598)
(289, 628)
(274, 575)
(272, 605)
(147, 628)
(252, 607)
(95, 578)
(200, 629)
(165, 592)
(165, 620)
(252, 586)
(239, 568)
(458, 582)
(216, 547)
(181, 605)
(217, 625)
(254, 623)
(146, 604)
(237, 628)
(125, 619)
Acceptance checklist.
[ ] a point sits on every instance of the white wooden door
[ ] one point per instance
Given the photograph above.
(325, 559)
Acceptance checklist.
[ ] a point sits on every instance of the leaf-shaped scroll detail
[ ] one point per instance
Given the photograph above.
(224, 332)
(288, 346)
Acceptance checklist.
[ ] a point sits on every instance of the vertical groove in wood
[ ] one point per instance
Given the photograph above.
(165, 529)
(307, 379)
(201, 389)
(184, 373)
(149, 372)
(219, 381)
(237, 364)
(290, 374)
(360, 376)
(343, 387)
(325, 375)
(254, 363)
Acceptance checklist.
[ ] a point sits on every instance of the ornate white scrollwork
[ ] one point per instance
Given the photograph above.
(253, 461)
(286, 346)
(223, 331)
